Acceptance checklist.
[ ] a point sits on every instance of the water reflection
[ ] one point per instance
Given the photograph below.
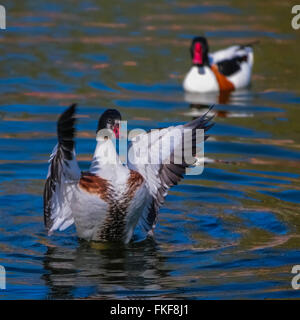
(208, 98)
(240, 97)
(100, 269)
(200, 103)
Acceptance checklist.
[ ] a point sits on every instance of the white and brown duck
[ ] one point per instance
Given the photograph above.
(223, 70)
(107, 202)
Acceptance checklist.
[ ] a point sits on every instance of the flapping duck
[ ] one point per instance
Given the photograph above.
(107, 202)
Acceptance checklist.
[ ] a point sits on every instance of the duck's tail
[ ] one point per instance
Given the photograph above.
(249, 44)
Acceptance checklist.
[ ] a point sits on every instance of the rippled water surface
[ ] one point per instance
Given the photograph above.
(232, 232)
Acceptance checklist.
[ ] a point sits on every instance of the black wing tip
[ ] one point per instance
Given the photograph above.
(202, 122)
(207, 120)
(66, 130)
(72, 108)
(68, 116)
(68, 113)
(205, 115)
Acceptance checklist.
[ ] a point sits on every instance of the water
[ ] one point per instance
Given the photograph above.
(232, 232)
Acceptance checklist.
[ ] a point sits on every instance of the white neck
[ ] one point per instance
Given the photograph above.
(105, 155)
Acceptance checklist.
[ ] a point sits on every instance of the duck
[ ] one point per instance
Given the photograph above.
(108, 201)
(224, 70)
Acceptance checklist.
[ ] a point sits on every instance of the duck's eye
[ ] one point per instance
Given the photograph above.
(109, 120)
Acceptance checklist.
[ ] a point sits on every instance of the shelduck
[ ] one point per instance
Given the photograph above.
(107, 202)
(223, 70)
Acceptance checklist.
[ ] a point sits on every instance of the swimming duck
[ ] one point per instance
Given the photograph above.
(223, 70)
(107, 202)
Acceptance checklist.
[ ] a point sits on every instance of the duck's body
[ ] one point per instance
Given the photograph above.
(107, 202)
(108, 209)
(223, 70)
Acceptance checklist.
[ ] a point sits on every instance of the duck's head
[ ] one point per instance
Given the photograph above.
(199, 51)
(110, 119)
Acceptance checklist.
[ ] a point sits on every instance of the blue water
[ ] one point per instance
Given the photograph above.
(232, 232)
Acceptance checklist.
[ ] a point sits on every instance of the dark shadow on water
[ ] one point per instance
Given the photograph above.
(103, 270)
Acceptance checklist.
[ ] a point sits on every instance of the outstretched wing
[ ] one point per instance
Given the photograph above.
(167, 171)
(63, 175)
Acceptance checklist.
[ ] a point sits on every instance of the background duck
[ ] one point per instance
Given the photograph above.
(223, 70)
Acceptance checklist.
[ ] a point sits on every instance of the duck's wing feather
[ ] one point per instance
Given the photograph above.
(231, 66)
(63, 176)
(169, 167)
(229, 60)
(230, 53)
